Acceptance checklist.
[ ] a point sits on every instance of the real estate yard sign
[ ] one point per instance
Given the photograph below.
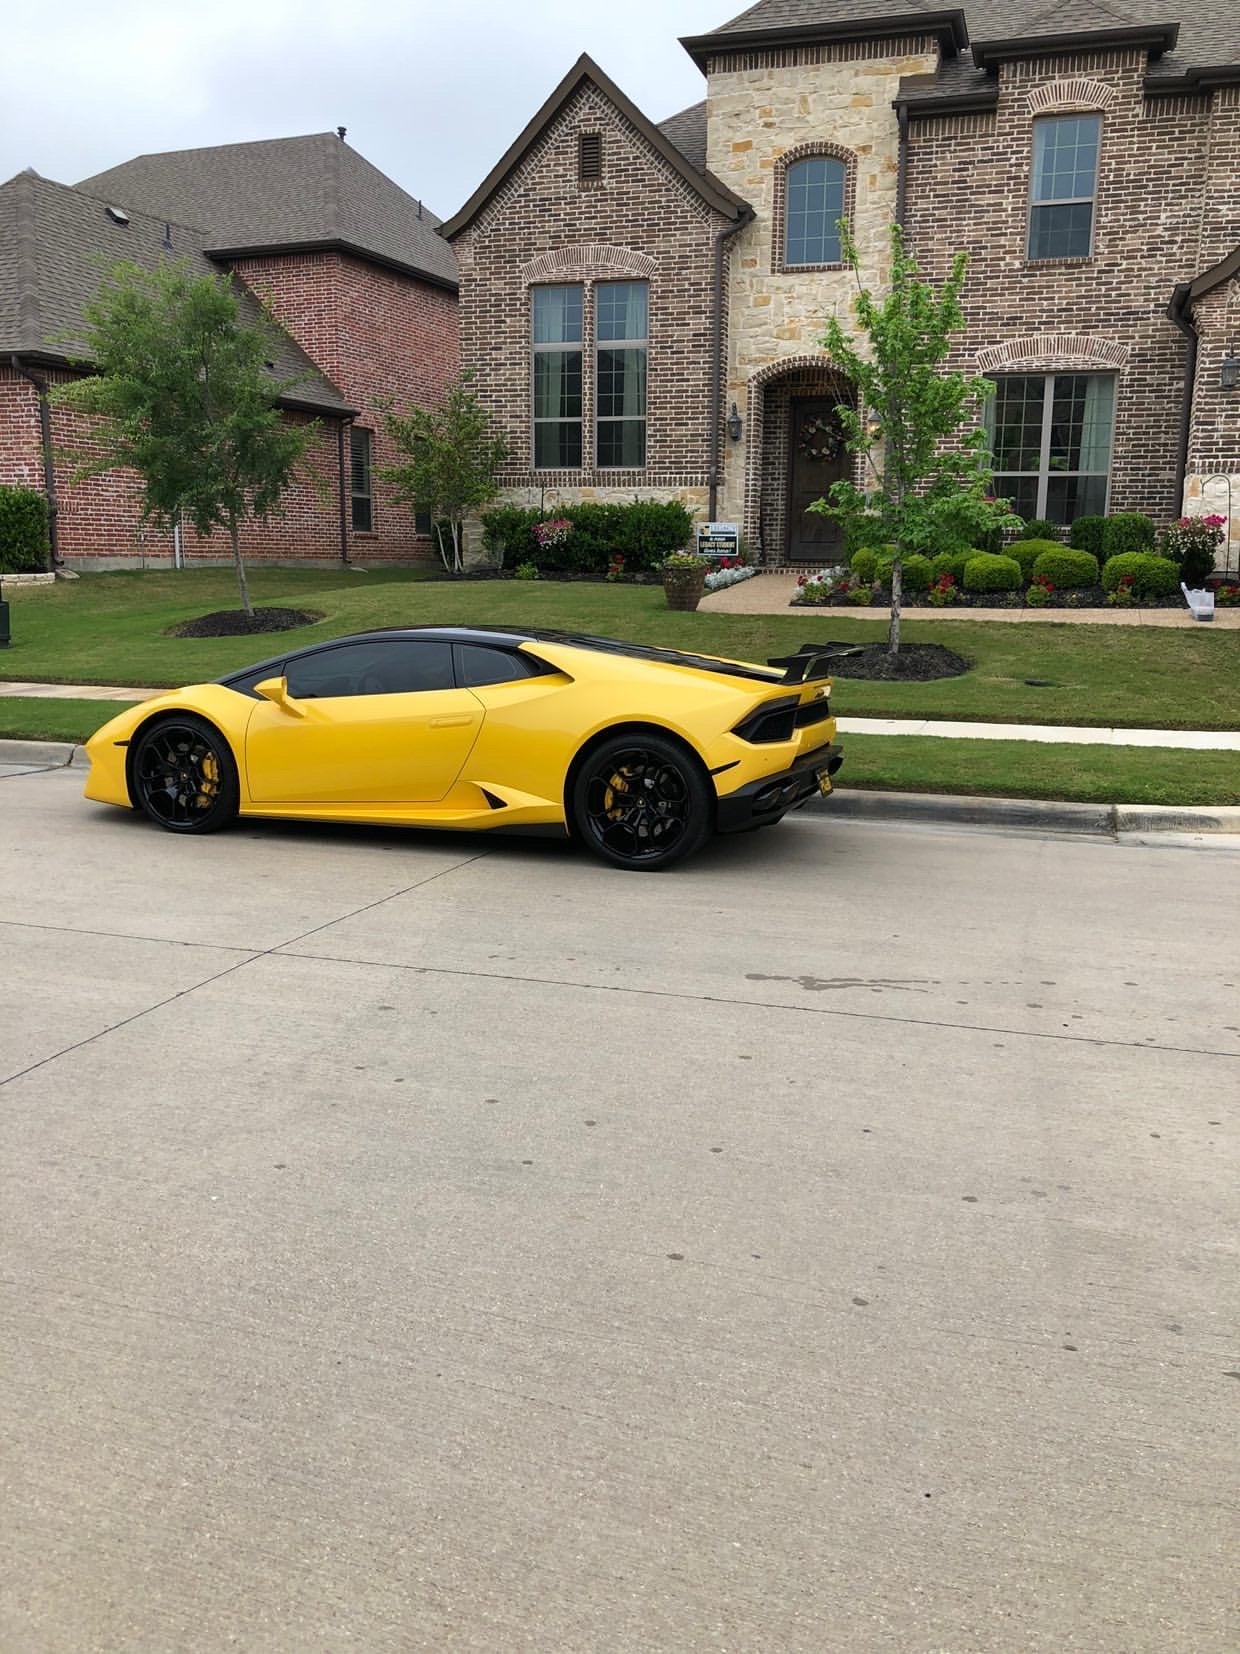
(719, 539)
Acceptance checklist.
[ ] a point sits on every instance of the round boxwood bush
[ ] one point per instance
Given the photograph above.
(23, 529)
(1086, 535)
(862, 562)
(1066, 569)
(1027, 552)
(1151, 576)
(1126, 531)
(988, 572)
(951, 562)
(1039, 528)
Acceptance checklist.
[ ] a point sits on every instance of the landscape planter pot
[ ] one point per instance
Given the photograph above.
(684, 587)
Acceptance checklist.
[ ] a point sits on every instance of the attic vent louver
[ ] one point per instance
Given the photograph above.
(590, 155)
(117, 215)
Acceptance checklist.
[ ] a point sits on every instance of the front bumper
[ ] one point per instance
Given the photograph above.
(766, 800)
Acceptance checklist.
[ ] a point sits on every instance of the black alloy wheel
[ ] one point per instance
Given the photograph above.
(642, 802)
(182, 776)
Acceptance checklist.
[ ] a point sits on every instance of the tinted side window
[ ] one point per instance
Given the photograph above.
(245, 685)
(389, 668)
(476, 666)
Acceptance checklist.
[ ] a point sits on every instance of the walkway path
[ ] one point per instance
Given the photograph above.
(1204, 740)
(771, 594)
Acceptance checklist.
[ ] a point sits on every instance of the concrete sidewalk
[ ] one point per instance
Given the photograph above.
(1204, 740)
(772, 594)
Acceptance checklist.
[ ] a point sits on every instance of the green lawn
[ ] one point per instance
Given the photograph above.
(109, 628)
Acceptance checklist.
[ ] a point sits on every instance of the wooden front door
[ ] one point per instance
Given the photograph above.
(810, 538)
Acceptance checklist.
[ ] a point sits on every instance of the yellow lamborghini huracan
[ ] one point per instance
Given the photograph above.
(639, 752)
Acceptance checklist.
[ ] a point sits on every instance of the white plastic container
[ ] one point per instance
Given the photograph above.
(1200, 602)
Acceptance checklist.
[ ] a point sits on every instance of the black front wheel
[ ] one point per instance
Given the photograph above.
(182, 775)
(642, 802)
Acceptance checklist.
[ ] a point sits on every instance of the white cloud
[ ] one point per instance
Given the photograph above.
(432, 93)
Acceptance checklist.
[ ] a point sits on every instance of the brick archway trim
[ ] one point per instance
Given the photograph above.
(589, 259)
(1070, 94)
(755, 422)
(1053, 350)
(779, 207)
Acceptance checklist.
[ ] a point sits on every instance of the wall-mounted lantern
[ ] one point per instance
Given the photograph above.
(1229, 372)
(734, 424)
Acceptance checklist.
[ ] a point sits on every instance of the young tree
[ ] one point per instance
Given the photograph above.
(181, 394)
(451, 454)
(916, 424)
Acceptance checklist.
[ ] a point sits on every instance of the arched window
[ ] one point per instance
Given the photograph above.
(814, 206)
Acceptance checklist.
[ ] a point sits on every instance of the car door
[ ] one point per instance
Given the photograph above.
(373, 722)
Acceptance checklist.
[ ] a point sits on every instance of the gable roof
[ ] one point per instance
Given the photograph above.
(56, 244)
(586, 71)
(785, 22)
(687, 130)
(285, 194)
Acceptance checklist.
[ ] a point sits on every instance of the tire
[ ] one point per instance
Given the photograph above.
(182, 775)
(642, 802)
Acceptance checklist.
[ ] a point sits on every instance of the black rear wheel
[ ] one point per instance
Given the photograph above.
(182, 775)
(642, 802)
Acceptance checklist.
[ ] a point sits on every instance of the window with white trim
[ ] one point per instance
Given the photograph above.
(558, 340)
(1065, 183)
(1051, 439)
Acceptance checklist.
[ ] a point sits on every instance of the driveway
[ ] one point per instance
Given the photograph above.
(414, 1243)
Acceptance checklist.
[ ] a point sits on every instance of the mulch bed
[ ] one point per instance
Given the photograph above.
(916, 663)
(236, 623)
(558, 577)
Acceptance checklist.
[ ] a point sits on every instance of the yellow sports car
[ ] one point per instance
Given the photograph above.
(639, 752)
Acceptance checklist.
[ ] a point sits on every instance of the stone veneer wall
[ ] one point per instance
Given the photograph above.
(761, 106)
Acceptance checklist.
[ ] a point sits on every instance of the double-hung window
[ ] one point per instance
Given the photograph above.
(1065, 183)
(1051, 443)
(558, 341)
(361, 486)
(621, 310)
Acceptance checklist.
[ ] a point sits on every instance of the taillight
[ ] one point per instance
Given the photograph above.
(772, 721)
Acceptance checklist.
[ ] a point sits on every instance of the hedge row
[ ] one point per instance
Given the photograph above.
(23, 530)
(1066, 569)
(643, 533)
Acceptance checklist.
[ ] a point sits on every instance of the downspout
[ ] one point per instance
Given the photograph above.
(1177, 310)
(341, 428)
(716, 358)
(901, 162)
(49, 461)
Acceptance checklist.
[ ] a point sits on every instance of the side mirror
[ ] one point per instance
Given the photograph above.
(275, 690)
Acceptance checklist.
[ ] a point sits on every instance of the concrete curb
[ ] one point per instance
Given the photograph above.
(1033, 814)
(49, 754)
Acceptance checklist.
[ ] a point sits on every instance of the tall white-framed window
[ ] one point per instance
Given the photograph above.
(558, 315)
(1051, 439)
(1062, 199)
(621, 327)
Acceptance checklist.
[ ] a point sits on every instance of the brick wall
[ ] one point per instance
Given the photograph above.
(375, 334)
(1168, 204)
(640, 220)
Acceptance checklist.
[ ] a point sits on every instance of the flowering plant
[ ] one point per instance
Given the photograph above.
(1228, 594)
(1039, 593)
(615, 568)
(728, 573)
(944, 591)
(553, 532)
(1122, 597)
(1192, 542)
(685, 560)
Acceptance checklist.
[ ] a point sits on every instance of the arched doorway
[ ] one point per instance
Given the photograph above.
(797, 452)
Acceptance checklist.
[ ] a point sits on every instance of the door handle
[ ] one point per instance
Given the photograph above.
(452, 723)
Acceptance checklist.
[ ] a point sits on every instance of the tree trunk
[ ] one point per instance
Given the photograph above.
(234, 534)
(443, 550)
(897, 591)
(457, 564)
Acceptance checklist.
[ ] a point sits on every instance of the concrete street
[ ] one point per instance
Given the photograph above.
(436, 1243)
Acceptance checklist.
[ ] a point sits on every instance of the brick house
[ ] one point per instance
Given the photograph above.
(673, 279)
(349, 264)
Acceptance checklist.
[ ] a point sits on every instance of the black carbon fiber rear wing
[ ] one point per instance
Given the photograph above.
(812, 660)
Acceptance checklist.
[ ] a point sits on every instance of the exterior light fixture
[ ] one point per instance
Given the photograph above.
(734, 423)
(1229, 372)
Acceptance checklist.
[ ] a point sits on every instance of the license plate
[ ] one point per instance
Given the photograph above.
(824, 783)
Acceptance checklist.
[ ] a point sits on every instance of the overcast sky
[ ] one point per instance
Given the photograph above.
(431, 91)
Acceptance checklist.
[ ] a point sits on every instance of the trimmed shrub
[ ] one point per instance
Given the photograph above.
(863, 561)
(1086, 535)
(643, 533)
(1151, 576)
(1027, 552)
(988, 572)
(1038, 528)
(1066, 569)
(23, 530)
(1126, 531)
(951, 562)
(916, 575)
(864, 532)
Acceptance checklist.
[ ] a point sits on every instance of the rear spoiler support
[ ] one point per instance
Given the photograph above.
(812, 660)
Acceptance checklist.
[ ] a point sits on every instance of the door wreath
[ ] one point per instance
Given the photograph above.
(820, 439)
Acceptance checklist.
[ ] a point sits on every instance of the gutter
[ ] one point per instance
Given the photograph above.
(716, 357)
(49, 461)
(1177, 310)
(901, 161)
